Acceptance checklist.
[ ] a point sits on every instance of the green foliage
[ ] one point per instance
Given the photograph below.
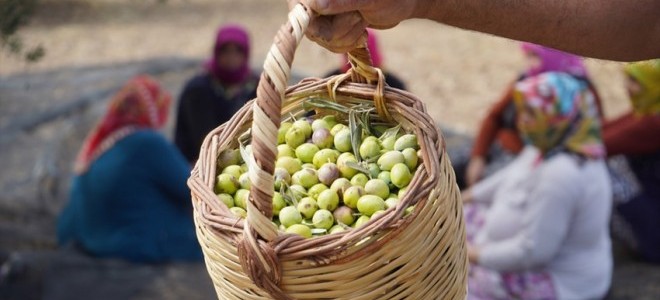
(14, 14)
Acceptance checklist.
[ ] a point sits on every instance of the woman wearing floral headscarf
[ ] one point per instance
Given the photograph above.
(538, 229)
(499, 123)
(129, 197)
(636, 135)
(214, 96)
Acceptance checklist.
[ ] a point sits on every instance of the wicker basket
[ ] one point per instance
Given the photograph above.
(419, 256)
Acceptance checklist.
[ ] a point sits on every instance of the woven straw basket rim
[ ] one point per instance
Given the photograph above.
(390, 256)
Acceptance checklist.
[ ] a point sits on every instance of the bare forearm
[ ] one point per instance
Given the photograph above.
(610, 29)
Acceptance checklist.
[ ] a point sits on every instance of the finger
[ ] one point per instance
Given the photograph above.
(355, 37)
(382, 26)
(319, 25)
(338, 25)
(338, 33)
(341, 26)
(333, 7)
(335, 47)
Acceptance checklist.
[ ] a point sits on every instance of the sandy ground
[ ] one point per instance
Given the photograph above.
(456, 72)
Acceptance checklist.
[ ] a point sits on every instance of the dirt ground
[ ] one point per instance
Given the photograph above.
(93, 46)
(456, 72)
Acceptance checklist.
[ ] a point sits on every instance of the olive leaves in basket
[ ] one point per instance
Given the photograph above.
(331, 175)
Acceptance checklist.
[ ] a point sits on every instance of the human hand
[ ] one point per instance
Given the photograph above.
(475, 170)
(341, 25)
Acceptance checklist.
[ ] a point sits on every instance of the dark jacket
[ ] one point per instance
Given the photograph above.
(203, 106)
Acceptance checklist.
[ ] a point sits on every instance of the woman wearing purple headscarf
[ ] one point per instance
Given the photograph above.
(499, 124)
(214, 96)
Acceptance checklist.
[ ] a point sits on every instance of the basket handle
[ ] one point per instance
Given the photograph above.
(267, 112)
(256, 248)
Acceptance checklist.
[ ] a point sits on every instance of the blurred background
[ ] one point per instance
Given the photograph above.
(92, 47)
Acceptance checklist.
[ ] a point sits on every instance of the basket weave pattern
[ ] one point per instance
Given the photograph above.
(420, 256)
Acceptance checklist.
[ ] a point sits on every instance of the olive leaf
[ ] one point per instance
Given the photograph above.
(392, 132)
(365, 119)
(324, 104)
(288, 195)
(247, 158)
(355, 127)
(357, 166)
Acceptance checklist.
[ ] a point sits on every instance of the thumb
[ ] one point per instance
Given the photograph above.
(333, 7)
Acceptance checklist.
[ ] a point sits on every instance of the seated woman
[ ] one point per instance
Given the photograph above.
(636, 135)
(499, 123)
(538, 229)
(211, 98)
(376, 60)
(129, 197)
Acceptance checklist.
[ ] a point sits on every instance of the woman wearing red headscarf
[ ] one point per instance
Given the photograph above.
(129, 197)
(499, 124)
(214, 96)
